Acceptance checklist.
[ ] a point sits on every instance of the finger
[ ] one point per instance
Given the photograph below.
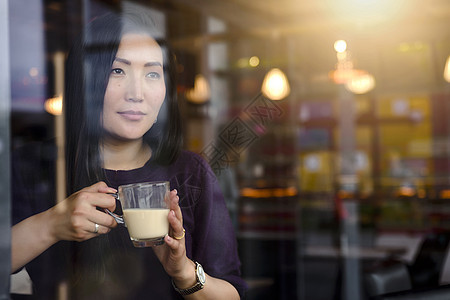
(107, 189)
(85, 229)
(102, 219)
(92, 230)
(177, 230)
(98, 194)
(99, 187)
(181, 236)
(100, 229)
(174, 205)
(177, 247)
(101, 200)
(105, 201)
(172, 243)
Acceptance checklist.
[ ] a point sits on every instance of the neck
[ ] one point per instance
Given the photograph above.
(125, 155)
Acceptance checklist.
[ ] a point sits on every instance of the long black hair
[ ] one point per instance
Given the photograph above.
(88, 67)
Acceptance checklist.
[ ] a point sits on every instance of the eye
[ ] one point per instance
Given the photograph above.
(117, 71)
(153, 75)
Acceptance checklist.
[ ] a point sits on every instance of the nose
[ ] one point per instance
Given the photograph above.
(135, 91)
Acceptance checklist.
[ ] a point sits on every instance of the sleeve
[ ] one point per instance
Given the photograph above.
(32, 187)
(22, 171)
(32, 184)
(214, 242)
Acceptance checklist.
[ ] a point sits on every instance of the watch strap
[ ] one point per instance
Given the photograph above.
(195, 288)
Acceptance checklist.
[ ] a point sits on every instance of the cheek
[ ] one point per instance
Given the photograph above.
(108, 109)
(113, 89)
(162, 94)
(157, 96)
(112, 94)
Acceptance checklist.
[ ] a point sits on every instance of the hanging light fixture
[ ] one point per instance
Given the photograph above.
(361, 83)
(340, 46)
(201, 91)
(447, 70)
(54, 105)
(275, 85)
(356, 81)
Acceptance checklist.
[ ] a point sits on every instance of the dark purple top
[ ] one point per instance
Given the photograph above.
(125, 272)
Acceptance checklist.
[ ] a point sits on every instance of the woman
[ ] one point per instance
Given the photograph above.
(123, 126)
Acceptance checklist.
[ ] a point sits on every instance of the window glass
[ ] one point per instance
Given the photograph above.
(325, 124)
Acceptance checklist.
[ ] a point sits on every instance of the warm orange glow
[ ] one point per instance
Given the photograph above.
(447, 70)
(267, 193)
(340, 46)
(360, 84)
(342, 75)
(445, 194)
(275, 85)
(421, 193)
(406, 191)
(343, 194)
(201, 91)
(54, 105)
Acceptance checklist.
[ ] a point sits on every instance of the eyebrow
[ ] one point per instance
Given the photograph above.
(149, 64)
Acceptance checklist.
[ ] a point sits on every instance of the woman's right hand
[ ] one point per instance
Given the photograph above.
(75, 218)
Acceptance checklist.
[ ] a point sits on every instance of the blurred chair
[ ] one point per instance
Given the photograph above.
(387, 277)
(394, 279)
(438, 293)
(427, 267)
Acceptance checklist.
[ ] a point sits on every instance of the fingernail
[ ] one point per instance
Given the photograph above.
(172, 212)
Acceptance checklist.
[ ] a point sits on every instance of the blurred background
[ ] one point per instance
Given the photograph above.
(324, 121)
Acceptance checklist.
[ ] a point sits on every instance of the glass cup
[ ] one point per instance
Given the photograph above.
(145, 209)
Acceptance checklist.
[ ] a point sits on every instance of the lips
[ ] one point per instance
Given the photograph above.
(132, 115)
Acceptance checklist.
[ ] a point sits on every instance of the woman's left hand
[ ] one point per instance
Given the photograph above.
(172, 254)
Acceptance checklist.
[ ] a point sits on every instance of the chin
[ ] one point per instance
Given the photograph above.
(129, 137)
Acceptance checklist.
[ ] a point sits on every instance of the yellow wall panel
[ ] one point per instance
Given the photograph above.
(391, 107)
(316, 171)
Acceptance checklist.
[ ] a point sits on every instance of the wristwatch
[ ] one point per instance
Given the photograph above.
(201, 278)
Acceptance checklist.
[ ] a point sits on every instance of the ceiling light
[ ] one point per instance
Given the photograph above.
(361, 83)
(253, 61)
(340, 46)
(275, 85)
(54, 105)
(447, 70)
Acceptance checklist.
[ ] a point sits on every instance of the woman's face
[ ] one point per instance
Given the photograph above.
(136, 88)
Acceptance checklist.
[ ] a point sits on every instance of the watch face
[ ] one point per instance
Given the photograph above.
(201, 274)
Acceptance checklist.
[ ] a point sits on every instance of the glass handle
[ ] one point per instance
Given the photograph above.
(119, 219)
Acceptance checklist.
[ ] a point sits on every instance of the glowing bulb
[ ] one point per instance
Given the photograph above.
(54, 105)
(447, 70)
(275, 85)
(340, 46)
(201, 92)
(253, 61)
(33, 72)
(360, 84)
